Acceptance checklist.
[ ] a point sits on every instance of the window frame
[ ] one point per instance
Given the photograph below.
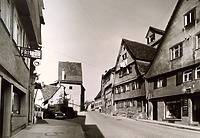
(187, 74)
(174, 49)
(6, 14)
(151, 38)
(197, 70)
(191, 17)
(135, 85)
(16, 105)
(173, 104)
(197, 37)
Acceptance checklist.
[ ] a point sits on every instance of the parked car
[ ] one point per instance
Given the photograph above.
(60, 115)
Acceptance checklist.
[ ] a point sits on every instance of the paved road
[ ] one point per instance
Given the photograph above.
(117, 127)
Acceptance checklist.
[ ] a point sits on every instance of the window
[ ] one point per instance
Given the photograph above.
(135, 85)
(16, 103)
(173, 109)
(127, 87)
(6, 13)
(70, 87)
(187, 76)
(189, 18)
(151, 38)
(124, 56)
(130, 68)
(176, 51)
(139, 106)
(198, 41)
(159, 83)
(197, 73)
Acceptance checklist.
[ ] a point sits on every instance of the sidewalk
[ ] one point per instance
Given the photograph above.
(181, 126)
(50, 128)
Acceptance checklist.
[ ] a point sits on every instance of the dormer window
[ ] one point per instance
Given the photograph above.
(189, 18)
(151, 38)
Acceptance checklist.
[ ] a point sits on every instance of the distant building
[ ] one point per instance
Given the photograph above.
(98, 103)
(107, 82)
(70, 76)
(129, 83)
(174, 76)
(20, 32)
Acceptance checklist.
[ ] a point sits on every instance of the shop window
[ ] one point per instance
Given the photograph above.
(189, 18)
(187, 76)
(6, 13)
(197, 73)
(16, 99)
(176, 51)
(173, 109)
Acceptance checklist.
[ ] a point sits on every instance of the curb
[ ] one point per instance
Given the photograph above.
(171, 125)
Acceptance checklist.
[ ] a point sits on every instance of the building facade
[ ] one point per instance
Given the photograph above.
(20, 28)
(98, 103)
(107, 81)
(129, 85)
(174, 85)
(70, 76)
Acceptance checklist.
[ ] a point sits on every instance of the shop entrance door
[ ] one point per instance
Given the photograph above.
(155, 114)
(196, 109)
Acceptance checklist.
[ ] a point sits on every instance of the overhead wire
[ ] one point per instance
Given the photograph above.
(60, 53)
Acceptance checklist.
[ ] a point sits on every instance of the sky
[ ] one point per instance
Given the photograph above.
(90, 32)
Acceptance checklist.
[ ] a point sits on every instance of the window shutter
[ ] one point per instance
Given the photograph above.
(155, 84)
(165, 82)
(197, 42)
(179, 78)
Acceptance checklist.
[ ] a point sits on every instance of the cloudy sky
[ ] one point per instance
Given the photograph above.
(90, 32)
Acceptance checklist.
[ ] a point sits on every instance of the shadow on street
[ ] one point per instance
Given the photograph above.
(91, 131)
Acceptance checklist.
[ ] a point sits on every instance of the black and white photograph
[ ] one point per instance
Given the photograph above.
(99, 68)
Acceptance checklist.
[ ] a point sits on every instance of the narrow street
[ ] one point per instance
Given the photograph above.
(100, 125)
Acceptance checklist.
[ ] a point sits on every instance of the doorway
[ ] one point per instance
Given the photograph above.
(196, 109)
(155, 113)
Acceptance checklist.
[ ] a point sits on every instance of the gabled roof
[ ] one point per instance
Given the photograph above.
(155, 30)
(142, 67)
(138, 50)
(73, 72)
(48, 91)
(98, 96)
(164, 35)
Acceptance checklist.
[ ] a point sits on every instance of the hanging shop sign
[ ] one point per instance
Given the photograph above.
(30, 53)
